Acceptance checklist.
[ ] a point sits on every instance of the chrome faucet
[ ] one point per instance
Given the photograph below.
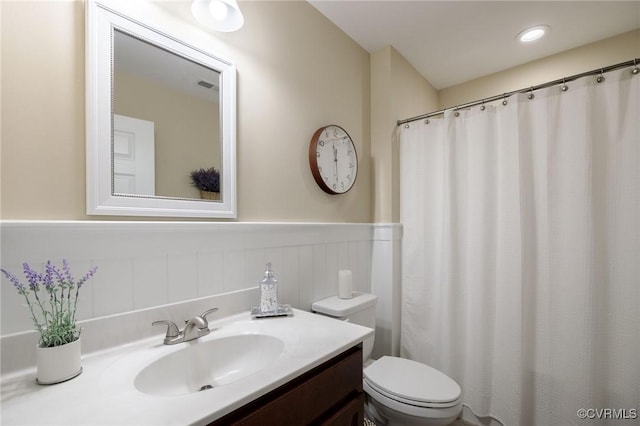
(195, 328)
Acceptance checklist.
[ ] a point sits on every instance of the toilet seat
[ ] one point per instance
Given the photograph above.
(413, 383)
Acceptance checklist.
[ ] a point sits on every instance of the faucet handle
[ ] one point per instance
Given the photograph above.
(207, 312)
(172, 328)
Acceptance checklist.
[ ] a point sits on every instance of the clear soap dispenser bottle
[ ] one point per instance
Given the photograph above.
(268, 292)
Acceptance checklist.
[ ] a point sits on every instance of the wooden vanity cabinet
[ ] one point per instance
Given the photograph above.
(328, 395)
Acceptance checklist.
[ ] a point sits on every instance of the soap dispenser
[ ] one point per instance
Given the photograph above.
(268, 292)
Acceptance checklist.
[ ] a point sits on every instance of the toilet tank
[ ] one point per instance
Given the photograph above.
(360, 309)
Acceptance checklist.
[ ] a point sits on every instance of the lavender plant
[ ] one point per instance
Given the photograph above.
(206, 179)
(52, 299)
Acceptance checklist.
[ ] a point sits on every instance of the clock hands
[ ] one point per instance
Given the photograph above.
(335, 161)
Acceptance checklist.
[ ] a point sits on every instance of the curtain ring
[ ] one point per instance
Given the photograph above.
(426, 121)
(406, 126)
(482, 107)
(600, 78)
(531, 95)
(564, 86)
(635, 69)
(504, 100)
(456, 114)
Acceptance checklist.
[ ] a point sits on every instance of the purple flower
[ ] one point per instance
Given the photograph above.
(55, 272)
(15, 281)
(32, 277)
(67, 271)
(48, 275)
(206, 179)
(87, 276)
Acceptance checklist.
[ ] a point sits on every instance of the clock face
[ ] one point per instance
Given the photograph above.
(333, 159)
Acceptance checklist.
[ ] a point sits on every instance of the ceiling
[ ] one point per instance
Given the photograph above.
(450, 42)
(153, 64)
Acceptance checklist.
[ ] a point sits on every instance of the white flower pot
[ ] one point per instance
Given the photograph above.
(59, 363)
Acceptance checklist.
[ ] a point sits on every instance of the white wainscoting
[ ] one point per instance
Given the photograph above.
(146, 265)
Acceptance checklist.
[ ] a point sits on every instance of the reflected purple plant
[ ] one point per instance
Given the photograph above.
(206, 179)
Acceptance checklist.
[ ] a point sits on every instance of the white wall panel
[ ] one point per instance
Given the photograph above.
(112, 285)
(143, 265)
(210, 272)
(182, 275)
(173, 270)
(151, 282)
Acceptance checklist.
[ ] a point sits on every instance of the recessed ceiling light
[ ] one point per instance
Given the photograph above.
(532, 33)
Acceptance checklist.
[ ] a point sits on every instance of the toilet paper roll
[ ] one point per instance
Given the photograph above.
(345, 284)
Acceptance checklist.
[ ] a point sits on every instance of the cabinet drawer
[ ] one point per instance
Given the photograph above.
(308, 399)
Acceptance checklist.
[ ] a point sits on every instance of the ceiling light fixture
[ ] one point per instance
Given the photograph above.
(532, 33)
(218, 10)
(220, 15)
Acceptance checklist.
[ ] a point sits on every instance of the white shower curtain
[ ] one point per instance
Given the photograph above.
(521, 253)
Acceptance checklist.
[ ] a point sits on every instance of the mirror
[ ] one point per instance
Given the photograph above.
(157, 110)
(178, 101)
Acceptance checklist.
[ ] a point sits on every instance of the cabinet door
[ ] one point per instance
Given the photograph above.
(310, 399)
(352, 414)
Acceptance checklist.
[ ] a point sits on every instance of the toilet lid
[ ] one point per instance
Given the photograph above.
(409, 380)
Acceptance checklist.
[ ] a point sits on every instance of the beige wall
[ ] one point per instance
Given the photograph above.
(296, 73)
(609, 51)
(397, 91)
(42, 103)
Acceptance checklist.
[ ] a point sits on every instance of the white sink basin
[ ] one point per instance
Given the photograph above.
(207, 365)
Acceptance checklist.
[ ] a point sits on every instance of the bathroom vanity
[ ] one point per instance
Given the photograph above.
(330, 394)
(303, 369)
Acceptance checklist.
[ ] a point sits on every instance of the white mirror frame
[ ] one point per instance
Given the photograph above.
(100, 23)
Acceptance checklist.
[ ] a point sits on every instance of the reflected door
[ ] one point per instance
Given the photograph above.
(133, 156)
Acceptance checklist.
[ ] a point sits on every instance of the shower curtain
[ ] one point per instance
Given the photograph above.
(521, 253)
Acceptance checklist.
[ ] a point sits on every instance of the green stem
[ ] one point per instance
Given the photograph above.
(44, 311)
(71, 312)
(75, 305)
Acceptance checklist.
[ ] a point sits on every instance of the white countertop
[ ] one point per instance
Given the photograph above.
(104, 394)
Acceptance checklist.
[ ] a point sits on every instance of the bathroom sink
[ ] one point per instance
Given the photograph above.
(206, 365)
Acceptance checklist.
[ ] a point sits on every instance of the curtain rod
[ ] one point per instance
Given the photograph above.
(634, 62)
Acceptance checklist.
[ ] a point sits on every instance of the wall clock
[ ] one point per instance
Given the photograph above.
(333, 159)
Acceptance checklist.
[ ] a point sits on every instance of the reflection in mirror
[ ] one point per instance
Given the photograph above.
(158, 108)
(177, 102)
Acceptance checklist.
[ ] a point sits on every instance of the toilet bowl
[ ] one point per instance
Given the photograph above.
(399, 392)
(405, 392)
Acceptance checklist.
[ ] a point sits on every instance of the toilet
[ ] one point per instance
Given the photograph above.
(400, 392)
